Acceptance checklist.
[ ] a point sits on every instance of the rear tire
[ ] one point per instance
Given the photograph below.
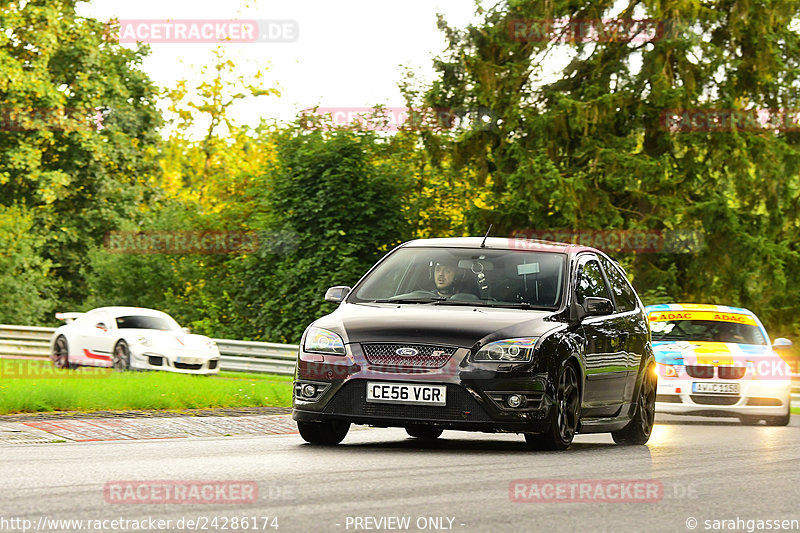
(638, 430)
(326, 433)
(424, 432)
(61, 353)
(564, 415)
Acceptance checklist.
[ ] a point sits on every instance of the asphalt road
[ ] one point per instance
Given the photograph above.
(701, 469)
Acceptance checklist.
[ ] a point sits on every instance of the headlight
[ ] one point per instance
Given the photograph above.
(508, 351)
(668, 371)
(144, 341)
(320, 340)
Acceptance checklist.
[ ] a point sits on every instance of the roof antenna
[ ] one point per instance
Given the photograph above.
(483, 243)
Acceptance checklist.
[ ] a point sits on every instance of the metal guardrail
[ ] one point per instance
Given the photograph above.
(252, 356)
(235, 356)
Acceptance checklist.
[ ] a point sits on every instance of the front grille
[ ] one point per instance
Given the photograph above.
(426, 357)
(351, 400)
(714, 400)
(764, 402)
(702, 372)
(186, 366)
(668, 398)
(731, 372)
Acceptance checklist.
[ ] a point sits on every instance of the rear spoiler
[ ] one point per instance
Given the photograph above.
(68, 317)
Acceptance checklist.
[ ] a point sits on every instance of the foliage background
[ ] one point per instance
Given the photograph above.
(584, 151)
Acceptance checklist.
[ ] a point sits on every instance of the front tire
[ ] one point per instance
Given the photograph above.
(753, 420)
(564, 415)
(780, 420)
(638, 430)
(326, 433)
(424, 432)
(121, 358)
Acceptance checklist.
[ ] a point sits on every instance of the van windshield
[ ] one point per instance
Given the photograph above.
(465, 276)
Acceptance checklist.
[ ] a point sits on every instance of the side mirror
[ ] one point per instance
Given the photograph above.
(186, 330)
(781, 343)
(102, 326)
(337, 294)
(594, 306)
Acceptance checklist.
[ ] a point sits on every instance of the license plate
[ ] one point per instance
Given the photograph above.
(409, 393)
(716, 388)
(189, 360)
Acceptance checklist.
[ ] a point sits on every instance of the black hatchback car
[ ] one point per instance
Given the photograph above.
(494, 335)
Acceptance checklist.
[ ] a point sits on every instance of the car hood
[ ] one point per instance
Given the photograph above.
(170, 339)
(708, 353)
(463, 326)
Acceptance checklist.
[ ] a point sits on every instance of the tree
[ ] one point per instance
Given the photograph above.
(328, 208)
(79, 136)
(25, 285)
(590, 149)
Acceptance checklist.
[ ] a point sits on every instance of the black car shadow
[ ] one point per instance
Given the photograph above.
(447, 445)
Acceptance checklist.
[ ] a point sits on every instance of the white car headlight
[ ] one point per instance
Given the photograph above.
(320, 340)
(508, 351)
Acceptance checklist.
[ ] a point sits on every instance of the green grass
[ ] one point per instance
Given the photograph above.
(254, 375)
(796, 410)
(35, 386)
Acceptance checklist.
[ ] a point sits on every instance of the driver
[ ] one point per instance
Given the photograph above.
(444, 276)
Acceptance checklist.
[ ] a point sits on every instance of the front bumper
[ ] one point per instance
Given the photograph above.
(178, 363)
(475, 396)
(756, 398)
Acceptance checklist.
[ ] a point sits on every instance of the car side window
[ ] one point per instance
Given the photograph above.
(591, 282)
(623, 292)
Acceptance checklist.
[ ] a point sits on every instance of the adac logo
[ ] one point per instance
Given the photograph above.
(406, 352)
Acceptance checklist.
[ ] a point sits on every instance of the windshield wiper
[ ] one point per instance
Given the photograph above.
(515, 305)
(483, 303)
(406, 300)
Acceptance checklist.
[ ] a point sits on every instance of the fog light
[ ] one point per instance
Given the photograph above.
(515, 400)
(309, 390)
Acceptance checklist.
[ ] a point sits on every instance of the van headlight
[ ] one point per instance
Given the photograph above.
(320, 340)
(508, 351)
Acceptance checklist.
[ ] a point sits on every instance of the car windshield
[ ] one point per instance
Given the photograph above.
(147, 322)
(706, 330)
(462, 276)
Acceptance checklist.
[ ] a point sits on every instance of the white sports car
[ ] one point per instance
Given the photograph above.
(131, 338)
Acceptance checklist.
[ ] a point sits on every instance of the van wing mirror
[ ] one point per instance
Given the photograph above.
(337, 294)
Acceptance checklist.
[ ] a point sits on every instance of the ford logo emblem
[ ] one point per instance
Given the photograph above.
(406, 352)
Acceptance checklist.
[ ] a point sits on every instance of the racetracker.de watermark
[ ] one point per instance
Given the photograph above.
(180, 492)
(730, 120)
(181, 242)
(616, 241)
(604, 30)
(391, 119)
(586, 491)
(217, 31)
(38, 369)
(50, 119)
